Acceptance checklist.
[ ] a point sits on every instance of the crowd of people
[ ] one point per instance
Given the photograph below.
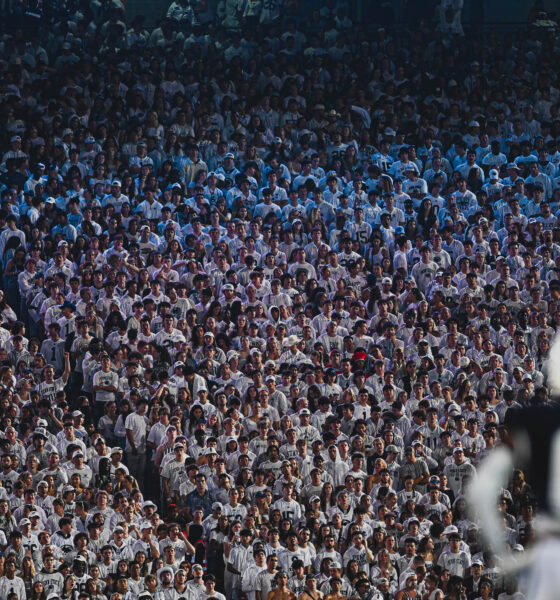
(269, 291)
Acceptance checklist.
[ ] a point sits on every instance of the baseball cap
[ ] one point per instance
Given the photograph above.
(450, 529)
(478, 562)
(454, 410)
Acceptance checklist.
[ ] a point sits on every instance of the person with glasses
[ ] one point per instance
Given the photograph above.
(10, 583)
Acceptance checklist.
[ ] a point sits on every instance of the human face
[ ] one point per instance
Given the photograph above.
(201, 483)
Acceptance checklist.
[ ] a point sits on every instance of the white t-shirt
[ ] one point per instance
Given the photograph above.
(138, 425)
(105, 379)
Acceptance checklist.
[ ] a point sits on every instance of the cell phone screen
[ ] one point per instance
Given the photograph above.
(34, 8)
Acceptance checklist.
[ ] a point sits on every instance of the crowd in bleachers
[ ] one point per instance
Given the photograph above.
(270, 287)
